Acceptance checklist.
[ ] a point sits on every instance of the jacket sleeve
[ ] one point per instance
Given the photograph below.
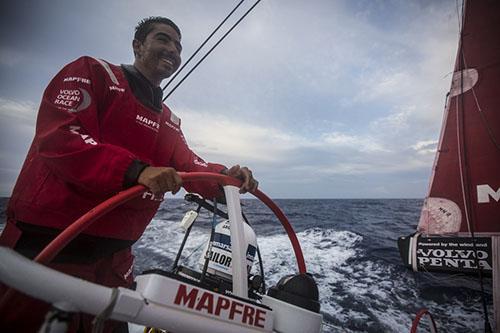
(184, 159)
(68, 133)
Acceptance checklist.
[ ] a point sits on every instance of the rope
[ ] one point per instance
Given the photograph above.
(211, 49)
(209, 247)
(100, 319)
(194, 251)
(201, 46)
(463, 167)
(261, 264)
(186, 235)
(481, 112)
(484, 120)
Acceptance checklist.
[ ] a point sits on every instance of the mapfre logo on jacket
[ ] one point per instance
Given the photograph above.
(146, 122)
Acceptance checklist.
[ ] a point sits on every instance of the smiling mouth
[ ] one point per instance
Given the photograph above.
(168, 61)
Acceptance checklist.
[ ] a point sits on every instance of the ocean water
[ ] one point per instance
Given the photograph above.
(350, 248)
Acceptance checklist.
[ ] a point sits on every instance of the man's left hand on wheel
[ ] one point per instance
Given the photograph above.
(244, 174)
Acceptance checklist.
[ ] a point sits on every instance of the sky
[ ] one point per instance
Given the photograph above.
(320, 98)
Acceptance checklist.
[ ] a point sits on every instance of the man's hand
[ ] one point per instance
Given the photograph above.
(244, 174)
(160, 180)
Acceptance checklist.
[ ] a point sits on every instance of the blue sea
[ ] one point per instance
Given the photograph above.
(349, 247)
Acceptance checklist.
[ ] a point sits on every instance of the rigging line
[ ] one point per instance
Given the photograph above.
(210, 243)
(186, 235)
(463, 168)
(459, 113)
(485, 122)
(261, 265)
(211, 49)
(196, 249)
(201, 46)
(481, 112)
(459, 18)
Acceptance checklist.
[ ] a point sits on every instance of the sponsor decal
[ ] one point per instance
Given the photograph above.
(128, 272)
(86, 101)
(485, 192)
(77, 79)
(217, 305)
(453, 254)
(223, 242)
(68, 97)
(73, 100)
(220, 254)
(220, 258)
(146, 122)
(86, 138)
(171, 126)
(116, 89)
(225, 246)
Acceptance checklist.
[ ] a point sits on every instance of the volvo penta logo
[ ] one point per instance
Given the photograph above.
(461, 254)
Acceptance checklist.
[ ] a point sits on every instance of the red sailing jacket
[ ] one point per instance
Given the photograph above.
(90, 130)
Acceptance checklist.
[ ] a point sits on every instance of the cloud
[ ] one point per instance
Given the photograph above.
(382, 84)
(10, 57)
(20, 112)
(219, 136)
(354, 142)
(401, 76)
(17, 126)
(425, 147)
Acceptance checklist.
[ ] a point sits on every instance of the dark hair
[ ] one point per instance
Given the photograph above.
(146, 25)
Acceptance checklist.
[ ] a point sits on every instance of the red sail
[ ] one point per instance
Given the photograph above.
(464, 193)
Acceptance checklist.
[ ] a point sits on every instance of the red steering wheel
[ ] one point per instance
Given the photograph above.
(54, 247)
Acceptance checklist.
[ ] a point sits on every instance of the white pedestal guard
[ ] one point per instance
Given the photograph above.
(289, 318)
(224, 313)
(238, 248)
(152, 304)
(168, 301)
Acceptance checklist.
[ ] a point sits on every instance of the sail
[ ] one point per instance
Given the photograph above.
(464, 193)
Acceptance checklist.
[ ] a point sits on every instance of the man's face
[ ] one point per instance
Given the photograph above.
(159, 54)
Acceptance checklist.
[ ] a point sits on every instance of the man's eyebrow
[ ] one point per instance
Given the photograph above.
(162, 34)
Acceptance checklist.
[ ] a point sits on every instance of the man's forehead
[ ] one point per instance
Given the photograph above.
(164, 28)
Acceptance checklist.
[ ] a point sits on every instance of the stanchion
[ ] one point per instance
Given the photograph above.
(496, 281)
